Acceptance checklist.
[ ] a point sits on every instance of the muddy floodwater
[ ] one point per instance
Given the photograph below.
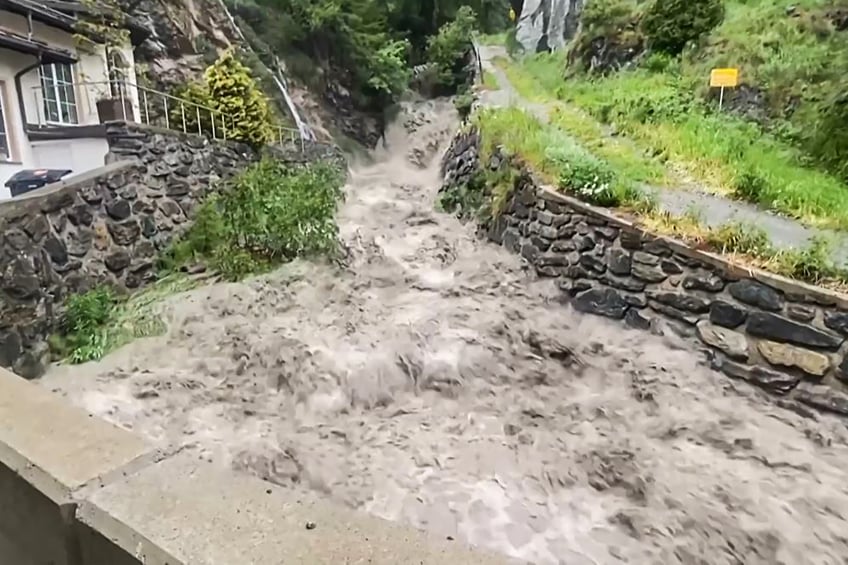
(431, 379)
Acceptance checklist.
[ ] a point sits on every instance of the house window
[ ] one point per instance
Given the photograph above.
(57, 86)
(5, 145)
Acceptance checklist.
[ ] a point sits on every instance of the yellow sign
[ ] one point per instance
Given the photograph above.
(724, 78)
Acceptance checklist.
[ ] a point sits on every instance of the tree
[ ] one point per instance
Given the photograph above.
(231, 92)
(448, 50)
(670, 24)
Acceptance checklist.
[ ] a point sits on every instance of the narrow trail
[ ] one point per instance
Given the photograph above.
(713, 209)
(433, 380)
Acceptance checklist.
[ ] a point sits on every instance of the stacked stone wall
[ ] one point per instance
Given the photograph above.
(784, 336)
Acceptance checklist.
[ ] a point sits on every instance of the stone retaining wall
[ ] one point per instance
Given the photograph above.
(784, 336)
(106, 226)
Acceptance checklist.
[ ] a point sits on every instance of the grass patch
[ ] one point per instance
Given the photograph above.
(492, 38)
(490, 81)
(100, 321)
(268, 215)
(626, 159)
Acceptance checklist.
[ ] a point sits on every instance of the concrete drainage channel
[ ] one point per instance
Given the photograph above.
(76, 490)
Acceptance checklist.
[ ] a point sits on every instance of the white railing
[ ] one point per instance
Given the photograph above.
(140, 104)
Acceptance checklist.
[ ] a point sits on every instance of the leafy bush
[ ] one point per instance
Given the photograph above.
(466, 200)
(230, 90)
(599, 15)
(85, 317)
(829, 140)
(266, 216)
(448, 50)
(463, 103)
(389, 74)
(659, 62)
(670, 24)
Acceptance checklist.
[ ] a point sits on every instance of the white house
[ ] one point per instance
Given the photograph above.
(51, 84)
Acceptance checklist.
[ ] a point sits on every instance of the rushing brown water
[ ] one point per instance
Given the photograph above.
(434, 381)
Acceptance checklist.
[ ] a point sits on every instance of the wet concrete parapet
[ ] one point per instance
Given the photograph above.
(76, 490)
(784, 336)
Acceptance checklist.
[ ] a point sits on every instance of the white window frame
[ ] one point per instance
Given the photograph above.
(9, 155)
(56, 86)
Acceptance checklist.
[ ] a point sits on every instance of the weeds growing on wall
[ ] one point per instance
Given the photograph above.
(267, 215)
(99, 321)
(86, 316)
(812, 264)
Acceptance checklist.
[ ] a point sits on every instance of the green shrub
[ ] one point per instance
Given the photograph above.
(267, 215)
(463, 104)
(230, 90)
(448, 50)
(670, 24)
(234, 93)
(197, 93)
(389, 73)
(466, 201)
(601, 15)
(829, 140)
(659, 62)
(83, 325)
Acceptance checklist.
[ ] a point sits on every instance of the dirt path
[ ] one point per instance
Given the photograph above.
(713, 210)
(431, 382)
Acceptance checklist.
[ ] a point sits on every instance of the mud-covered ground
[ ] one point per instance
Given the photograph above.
(433, 380)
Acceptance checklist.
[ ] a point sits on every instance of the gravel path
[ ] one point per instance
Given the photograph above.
(434, 381)
(714, 210)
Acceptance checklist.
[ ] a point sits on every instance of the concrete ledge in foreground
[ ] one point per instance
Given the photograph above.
(76, 490)
(183, 510)
(49, 450)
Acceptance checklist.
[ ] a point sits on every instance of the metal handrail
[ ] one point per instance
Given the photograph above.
(144, 105)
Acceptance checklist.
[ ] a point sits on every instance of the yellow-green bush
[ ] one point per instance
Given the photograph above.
(229, 89)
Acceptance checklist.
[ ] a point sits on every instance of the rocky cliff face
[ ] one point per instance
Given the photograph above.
(187, 35)
(548, 24)
(184, 36)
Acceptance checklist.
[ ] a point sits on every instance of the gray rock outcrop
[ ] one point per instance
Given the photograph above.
(548, 24)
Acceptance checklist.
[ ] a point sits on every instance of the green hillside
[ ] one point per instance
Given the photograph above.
(781, 139)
